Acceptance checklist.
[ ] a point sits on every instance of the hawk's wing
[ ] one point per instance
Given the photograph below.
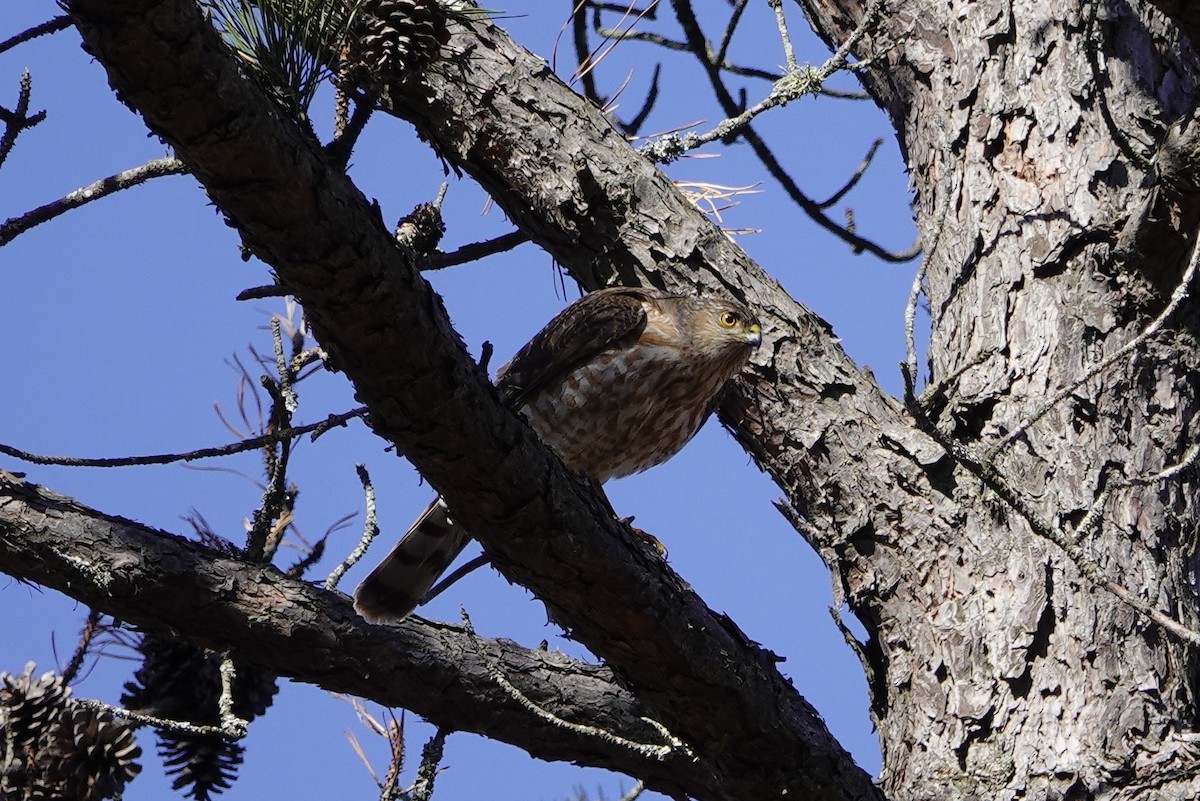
(600, 321)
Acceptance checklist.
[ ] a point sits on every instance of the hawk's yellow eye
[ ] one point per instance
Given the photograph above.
(728, 320)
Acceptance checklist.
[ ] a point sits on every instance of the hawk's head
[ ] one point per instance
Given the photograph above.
(721, 328)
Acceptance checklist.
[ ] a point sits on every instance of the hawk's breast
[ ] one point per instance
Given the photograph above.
(625, 411)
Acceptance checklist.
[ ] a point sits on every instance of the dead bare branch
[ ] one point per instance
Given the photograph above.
(476, 251)
(370, 531)
(12, 228)
(53, 25)
(19, 119)
(90, 627)
(241, 446)
(858, 174)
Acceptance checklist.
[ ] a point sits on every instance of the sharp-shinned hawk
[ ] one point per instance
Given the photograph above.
(618, 382)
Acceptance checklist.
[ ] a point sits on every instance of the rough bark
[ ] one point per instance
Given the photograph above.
(1185, 15)
(693, 669)
(1027, 128)
(170, 585)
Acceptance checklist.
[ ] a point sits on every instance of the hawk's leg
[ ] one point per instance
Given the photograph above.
(455, 575)
(647, 538)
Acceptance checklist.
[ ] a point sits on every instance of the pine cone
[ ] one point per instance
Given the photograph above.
(28, 706)
(205, 765)
(60, 750)
(87, 755)
(399, 38)
(182, 682)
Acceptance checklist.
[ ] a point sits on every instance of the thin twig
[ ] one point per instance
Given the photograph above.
(165, 724)
(389, 788)
(914, 295)
(12, 228)
(910, 318)
(1169, 472)
(583, 52)
(190, 456)
(843, 94)
(370, 531)
(427, 771)
(19, 119)
(90, 627)
(667, 43)
(589, 62)
(854, 179)
(634, 125)
(1091, 520)
(475, 251)
(342, 146)
(231, 724)
(50, 26)
(789, 53)
(1177, 298)
(283, 368)
(272, 516)
(658, 752)
(735, 17)
(267, 291)
(650, 12)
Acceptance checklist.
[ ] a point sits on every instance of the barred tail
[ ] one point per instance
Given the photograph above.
(397, 585)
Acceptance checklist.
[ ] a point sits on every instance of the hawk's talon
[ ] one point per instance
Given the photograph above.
(646, 537)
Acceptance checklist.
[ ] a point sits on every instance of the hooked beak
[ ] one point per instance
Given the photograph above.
(754, 334)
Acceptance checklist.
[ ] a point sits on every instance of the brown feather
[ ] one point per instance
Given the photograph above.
(602, 320)
(401, 581)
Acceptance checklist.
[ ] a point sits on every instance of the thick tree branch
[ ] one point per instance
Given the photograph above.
(849, 460)
(380, 321)
(1184, 14)
(571, 188)
(171, 586)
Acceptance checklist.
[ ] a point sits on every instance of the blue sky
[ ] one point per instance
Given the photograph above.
(121, 322)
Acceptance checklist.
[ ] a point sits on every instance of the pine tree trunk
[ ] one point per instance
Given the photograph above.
(1002, 671)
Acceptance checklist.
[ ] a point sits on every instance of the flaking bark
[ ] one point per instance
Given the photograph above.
(1028, 130)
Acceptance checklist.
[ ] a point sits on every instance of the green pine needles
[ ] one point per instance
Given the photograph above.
(286, 44)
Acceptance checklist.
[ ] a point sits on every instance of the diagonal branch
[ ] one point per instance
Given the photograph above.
(379, 320)
(52, 25)
(249, 444)
(808, 415)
